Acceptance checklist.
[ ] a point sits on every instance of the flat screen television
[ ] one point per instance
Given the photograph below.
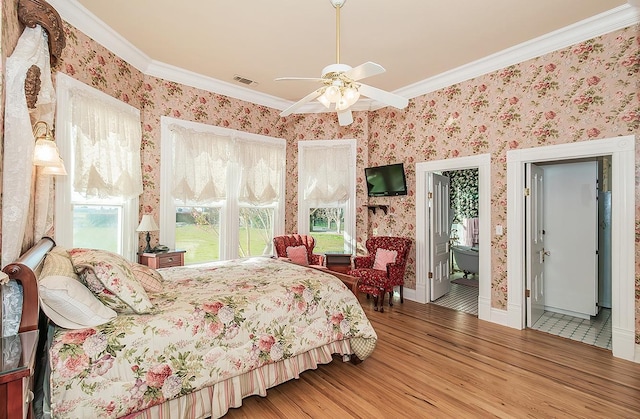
(386, 180)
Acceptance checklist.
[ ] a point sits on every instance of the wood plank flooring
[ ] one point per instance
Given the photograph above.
(434, 362)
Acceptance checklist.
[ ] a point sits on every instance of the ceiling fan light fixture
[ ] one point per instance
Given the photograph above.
(351, 95)
(332, 94)
(323, 99)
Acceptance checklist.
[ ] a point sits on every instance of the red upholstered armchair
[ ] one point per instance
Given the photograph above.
(377, 279)
(280, 244)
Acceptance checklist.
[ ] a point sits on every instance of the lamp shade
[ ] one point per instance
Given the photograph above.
(45, 153)
(56, 170)
(147, 223)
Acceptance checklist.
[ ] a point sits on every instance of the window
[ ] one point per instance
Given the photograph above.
(99, 138)
(326, 194)
(222, 191)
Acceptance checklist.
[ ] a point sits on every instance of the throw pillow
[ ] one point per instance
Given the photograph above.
(109, 276)
(150, 279)
(58, 262)
(69, 304)
(298, 254)
(384, 257)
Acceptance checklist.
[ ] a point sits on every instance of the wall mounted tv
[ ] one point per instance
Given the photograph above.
(386, 180)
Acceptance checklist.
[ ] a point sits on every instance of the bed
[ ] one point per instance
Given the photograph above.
(205, 338)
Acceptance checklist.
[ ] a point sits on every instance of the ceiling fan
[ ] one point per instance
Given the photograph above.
(340, 87)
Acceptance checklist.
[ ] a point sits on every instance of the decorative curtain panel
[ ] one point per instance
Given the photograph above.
(106, 142)
(261, 167)
(200, 161)
(25, 204)
(325, 176)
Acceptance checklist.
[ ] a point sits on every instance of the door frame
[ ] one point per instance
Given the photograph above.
(622, 152)
(482, 162)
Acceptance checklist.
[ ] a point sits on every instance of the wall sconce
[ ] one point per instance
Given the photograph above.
(46, 152)
(147, 223)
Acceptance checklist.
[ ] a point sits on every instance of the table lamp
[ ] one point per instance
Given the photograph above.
(147, 223)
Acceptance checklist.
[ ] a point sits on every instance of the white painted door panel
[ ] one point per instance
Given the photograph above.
(535, 244)
(439, 235)
(571, 218)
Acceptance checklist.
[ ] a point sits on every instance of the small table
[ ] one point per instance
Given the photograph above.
(338, 262)
(162, 259)
(16, 375)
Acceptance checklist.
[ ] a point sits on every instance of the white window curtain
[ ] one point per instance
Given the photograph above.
(262, 165)
(25, 218)
(200, 161)
(107, 148)
(326, 175)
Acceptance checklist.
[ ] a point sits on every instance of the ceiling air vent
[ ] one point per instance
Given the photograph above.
(244, 80)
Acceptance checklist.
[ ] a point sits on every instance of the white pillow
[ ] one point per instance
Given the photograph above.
(69, 304)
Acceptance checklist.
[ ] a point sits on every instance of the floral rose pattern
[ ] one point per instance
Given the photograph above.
(587, 91)
(214, 322)
(584, 92)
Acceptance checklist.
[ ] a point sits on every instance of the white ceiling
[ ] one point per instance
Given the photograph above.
(261, 40)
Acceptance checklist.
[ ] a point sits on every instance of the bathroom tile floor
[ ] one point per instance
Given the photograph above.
(461, 297)
(594, 331)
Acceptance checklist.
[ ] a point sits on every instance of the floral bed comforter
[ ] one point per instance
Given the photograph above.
(211, 322)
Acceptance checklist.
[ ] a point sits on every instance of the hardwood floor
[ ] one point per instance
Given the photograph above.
(431, 361)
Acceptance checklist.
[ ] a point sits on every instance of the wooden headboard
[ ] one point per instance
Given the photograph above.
(24, 270)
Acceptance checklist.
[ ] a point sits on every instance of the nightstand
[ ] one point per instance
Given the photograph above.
(17, 362)
(338, 262)
(163, 259)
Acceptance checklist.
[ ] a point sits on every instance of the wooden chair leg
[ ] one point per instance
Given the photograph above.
(375, 302)
(391, 298)
(382, 293)
(401, 294)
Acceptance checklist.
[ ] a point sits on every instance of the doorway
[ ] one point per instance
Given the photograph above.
(563, 250)
(423, 227)
(622, 153)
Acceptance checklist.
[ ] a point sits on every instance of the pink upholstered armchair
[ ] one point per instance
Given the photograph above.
(281, 243)
(378, 277)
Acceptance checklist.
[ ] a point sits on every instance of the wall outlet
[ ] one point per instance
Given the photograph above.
(375, 231)
(499, 230)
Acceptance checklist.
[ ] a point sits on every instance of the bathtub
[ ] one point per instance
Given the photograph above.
(467, 259)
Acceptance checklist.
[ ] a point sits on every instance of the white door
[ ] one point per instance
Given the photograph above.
(571, 222)
(439, 235)
(535, 244)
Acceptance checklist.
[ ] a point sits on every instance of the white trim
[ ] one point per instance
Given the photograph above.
(622, 152)
(483, 163)
(609, 21)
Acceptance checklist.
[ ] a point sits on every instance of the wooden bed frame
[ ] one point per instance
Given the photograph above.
(24, 271)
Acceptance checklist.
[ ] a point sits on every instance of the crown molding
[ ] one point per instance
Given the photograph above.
(612, 20)
(85, 21)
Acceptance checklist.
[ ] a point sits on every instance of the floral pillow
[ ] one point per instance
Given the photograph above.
(383, 258)
(109, 276)
(298, 255)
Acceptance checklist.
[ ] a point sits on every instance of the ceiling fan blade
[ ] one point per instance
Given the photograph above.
(362, 71)
(345, 117)
(300, 78)
(308, 98)
(383, 96)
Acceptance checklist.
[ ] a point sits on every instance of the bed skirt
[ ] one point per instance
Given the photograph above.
(216, 400)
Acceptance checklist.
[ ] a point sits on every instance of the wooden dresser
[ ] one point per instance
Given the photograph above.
(163, 259)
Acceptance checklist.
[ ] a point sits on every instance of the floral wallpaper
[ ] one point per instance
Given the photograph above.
(585, 92)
